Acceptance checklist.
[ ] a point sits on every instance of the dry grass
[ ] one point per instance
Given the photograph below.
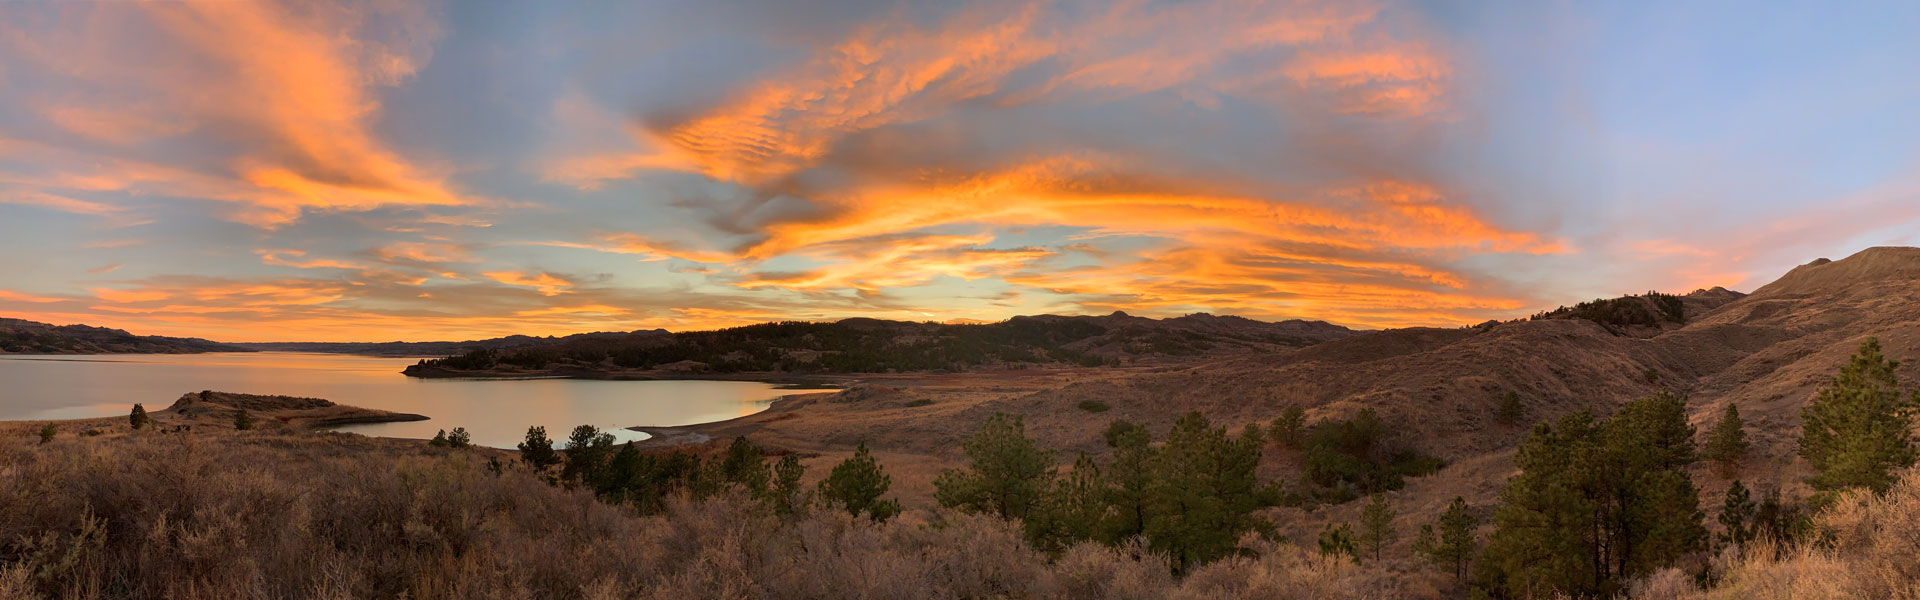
(1871, 550)
(305, 515)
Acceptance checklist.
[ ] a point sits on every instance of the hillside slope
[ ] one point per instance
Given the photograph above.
(19, 336)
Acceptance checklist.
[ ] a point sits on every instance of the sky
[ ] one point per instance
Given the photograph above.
(417, 170)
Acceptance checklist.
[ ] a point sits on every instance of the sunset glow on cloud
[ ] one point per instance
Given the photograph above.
(417, 170)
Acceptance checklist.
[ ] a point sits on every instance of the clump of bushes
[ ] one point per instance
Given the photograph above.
(1094, 406)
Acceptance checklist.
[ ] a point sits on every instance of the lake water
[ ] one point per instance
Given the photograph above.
(497, 412)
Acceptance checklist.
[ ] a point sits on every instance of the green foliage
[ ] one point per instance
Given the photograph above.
(47, 432)
(1074, 509)
(1006, 474)
(1648, 310)
(1338, 541)
(439, 439)
(1128, 480)
(1345, 459)
(1510, 410)
(744, 466)
(786, 496)
(1727, 441)
(1094, 406)
(242, 420)
(1858, 429)
(856, 485)
(1780, 520)
(1455, 545)
(1376, 526)
(1737, 515)
(1287, 427)
(588, 450)
(1204, 492)
(459, 438)
(537, 451)
(1622, 482)
(138, 418)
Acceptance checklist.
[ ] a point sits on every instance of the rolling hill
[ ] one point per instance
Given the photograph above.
(19, 336)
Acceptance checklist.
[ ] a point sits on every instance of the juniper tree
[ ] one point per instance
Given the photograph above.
(138, 418)
(537, 450)
(459, 438)
(439, 439)
(1338, 541)
(1510, 410)
(1287, 427)
(1376, 526)
(1727, 441)
(856, 485)
(1858, 429)
(1006, 473)
(242, 420)
(47, 432)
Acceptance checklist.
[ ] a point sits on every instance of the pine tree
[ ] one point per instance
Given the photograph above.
(1006, 473)
(1074, 509)
(587, 450)
(1128, 479)
(1338, 541)
(439, 439)
(242, 420)
(1736, 515)
(1727, 441)
(1858, 429)
(47, 432)
(745, 467)
(138, 418)
(1376, 526)
(1622, 482)
(1287, 427)
(459, 438)
(1456, 545)
(1204, 492)
(786, 495)
(856, 485)
(537, 450)
(1511, 410)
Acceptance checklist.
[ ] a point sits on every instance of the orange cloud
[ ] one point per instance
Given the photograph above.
(547, 283)
(19, 297)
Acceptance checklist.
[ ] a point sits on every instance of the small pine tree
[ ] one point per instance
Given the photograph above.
(1006, 473)
(242, 420)
(1376, 526)
(745, 467)
(138, 418)
(459, 438)
(588, 450)
(1287, 427)
(47, 432)
(787, 496)
(856, 485)
(495, 467)
(1511, 410)
(1338, 541)
(1456, 544)
(1727, 441)
(537, 450)
(1736, 515)
(439, 439)
(1858, 430)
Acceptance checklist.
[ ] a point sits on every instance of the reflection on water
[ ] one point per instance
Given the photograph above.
(496, 412)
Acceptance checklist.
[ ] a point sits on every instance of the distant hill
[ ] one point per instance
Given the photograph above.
(19, 336)
(432, 348)
(863, 345)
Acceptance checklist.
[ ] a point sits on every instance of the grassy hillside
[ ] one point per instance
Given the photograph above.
(877, 346)
(27, 337)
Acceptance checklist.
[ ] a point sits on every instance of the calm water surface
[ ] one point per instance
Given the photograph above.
(496, 412)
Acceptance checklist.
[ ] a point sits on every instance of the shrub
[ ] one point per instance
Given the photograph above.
(1094, 406)
(459, 438)
(48, 431)
(242, 420)
(138, 418)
